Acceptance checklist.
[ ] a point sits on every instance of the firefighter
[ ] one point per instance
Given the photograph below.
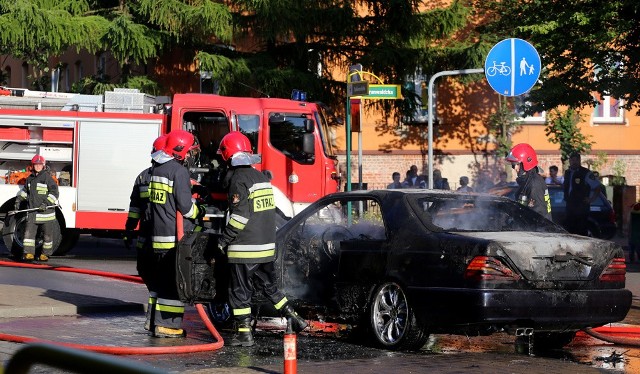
(169, 202)
(138, 213)
(40, 191)
(532, 189)
(249, 238)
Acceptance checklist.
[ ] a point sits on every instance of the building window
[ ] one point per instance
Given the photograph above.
(6, 78)
(25, 75)
(608, 109)
(79, 71)
(101, 65)
(521, 104)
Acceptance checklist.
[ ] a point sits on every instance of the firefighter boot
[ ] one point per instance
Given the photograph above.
(28, 257)
(297, 323)
(168, 332)
(243, 336)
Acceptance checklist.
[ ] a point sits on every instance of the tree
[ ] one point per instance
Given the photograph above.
(562, 128)
(587, 46)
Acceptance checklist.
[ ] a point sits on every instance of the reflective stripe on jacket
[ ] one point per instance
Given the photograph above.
(250, 234)
(169, 193)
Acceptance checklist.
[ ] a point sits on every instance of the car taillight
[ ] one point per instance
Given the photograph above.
(488, 268)
(615, 272)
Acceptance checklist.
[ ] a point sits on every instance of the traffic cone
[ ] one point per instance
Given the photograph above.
(290, 350)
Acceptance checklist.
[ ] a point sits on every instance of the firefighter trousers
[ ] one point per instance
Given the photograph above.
(145, 264)
(31, 231)
(244, 278)
(169, 309)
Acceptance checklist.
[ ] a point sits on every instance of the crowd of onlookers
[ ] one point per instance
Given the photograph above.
(483, 183)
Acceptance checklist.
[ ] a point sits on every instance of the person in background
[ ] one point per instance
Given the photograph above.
(581, 188)
(553, 177)
(464, 184)
(532, 190)
(396, 181)
(484, 183)
(41, 193)
(413, 180)
(440, 183)
(249, 237)
(634, 233)
(502, 182)
(140, 214)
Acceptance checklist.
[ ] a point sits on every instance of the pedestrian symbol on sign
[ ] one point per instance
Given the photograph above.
(512, 67)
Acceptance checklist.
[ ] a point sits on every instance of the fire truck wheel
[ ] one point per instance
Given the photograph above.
(69, 240)
(13, 234)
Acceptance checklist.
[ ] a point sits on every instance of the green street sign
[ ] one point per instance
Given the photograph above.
(384, 91)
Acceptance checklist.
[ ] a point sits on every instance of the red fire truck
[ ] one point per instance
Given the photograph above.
(95, 146)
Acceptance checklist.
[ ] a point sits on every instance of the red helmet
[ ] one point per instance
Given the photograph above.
(159, 143)
(525, 154)
(37, 159)
(179, 143)
(232, 143)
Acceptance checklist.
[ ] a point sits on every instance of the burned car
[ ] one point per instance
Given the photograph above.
(403, 264)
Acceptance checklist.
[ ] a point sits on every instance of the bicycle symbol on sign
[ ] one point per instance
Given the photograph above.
(502, 69)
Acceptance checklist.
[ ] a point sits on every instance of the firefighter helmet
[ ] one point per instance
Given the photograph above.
(179, 143)
(38, 160)
(523, 153)
(159, 143)
(232, 143)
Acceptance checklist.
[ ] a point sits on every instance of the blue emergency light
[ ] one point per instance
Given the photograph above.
(298, 95)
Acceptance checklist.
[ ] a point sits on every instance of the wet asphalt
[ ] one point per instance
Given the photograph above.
(121, 325)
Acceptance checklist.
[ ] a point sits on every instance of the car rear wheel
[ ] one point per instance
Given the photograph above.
(392, 321)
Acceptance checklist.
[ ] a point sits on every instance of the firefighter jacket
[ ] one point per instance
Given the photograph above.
(169, 201)
(251, 231)
(40, 189)
(577, 189)
(533, 192)
(138, 206)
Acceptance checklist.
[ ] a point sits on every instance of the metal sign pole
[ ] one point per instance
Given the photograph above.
(430, 111)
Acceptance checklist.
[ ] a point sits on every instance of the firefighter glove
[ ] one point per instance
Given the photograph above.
(128, 239)
(202, 210)
(17, 205)
(42, 207)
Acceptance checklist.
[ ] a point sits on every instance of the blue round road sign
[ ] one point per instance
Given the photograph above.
(512, 67)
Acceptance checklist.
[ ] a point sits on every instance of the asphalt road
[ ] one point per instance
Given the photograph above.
(317, 353)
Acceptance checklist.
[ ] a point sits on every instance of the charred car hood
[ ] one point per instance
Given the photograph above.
(550, 256)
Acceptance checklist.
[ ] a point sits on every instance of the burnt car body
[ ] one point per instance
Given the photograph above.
(601, 220)
(402, 264)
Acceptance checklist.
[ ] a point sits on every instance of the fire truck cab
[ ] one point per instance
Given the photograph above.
(96, 145)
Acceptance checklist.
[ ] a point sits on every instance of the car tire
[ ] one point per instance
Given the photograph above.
(13, 234)
(543, 341)
(392, 321)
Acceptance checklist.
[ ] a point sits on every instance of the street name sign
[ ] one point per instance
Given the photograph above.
(384, 91)
(512, 67)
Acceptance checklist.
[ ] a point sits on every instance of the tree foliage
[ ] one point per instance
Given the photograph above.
(562, 128)
(588, 46)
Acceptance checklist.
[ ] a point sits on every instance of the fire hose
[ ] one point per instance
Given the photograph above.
(606, 334)
(111, 349)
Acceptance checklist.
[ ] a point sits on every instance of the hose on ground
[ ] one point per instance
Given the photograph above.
(111, 349)
(607, 334)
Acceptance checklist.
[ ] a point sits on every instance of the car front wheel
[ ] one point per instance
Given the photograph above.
(392, 321)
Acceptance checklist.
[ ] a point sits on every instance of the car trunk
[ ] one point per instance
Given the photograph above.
(549, 257)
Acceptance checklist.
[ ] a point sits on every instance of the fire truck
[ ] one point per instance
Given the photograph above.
(96, 145)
